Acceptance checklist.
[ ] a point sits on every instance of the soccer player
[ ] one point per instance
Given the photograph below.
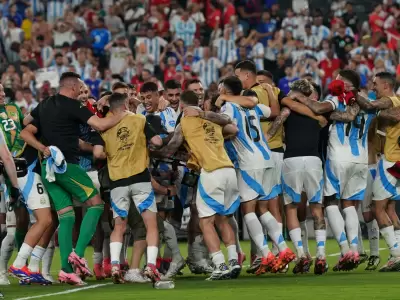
(11, 125)
(172, 94)
(217, 195)
(59, 117)
(302, 170)
(346, 166)
(255, 167)
(385, 188)
(126, 145)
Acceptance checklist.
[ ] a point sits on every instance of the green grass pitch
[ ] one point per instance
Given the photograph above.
(358, 284)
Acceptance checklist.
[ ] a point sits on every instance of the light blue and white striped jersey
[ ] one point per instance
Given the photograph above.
(168, 118)
(312, 41)
(46, 53)
(249, 148)
(59, 69)
(84, 71)
(359, 50)
(185, 31)
(322, 32)
(55, 10)
(224, 47)
(36, 6)
(258, 50)
(153, 46)
(348, 32)
(348, 142)
(208, 70)
(198, 52)
(233, 35)
(128, 74)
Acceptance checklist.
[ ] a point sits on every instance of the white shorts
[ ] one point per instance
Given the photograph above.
(217, 193)
(278, 160)
(35, 194)
(385, 186)
(3, 208)
(141, 194)
(257, 184)
(367, 203)
(11, 219)
(346, 180)
(302, 174)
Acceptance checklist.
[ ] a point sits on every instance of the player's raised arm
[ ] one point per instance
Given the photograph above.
(346, 116)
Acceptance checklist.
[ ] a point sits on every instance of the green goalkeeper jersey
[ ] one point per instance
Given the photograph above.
(11, 119)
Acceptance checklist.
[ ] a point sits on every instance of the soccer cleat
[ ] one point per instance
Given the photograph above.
(220, 273)
(285, 257)
(267, 264)
(284, 270)
(23, 274)
(37, 278)
(255, 265)
(373, 263)
(116, 275)
(152, 273)
(135, 276)
(80, 264)
(174, 269)
(199, 267)
(49, 278)
(99, 272)
(3, 279)
(107, 267)
(241, 258)
(307, 267)
(347, 262)
(321, 266)
(392, 265)
(164, 266)
(70, 278)
(235, 268)
(302, 265)
(124, 267)
(363, 258)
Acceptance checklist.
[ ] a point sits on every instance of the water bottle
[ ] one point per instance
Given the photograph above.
(164, 285)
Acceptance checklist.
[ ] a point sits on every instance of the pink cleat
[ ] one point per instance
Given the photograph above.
(99, 272)
(80, 265)
(152, 273)
(70, 278)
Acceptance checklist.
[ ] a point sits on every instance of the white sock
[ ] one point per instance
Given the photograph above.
(274, 230)
(295, 236)
(351, 222)
(235, 228)
(360, 240)
(304, 236)
(7, 248)
(336, 223)
(257, 235)
(373, 237)
(390, 239)
(397, 235)
(320, 238)
(97, 258)
(232, 253)
(22, 256)
(106, 248)
(152, 252)
(275, 249)
(36, 258)
(115, 249)
(48, 257)
(171, 241)
(217, 258)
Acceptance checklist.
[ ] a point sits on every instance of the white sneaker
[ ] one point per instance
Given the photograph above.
(174, 268)
(220, 273)
(49, 278)
(4, 278)
(136, 276)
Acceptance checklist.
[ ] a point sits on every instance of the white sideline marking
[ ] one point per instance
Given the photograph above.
(95, 286)
(336, 254)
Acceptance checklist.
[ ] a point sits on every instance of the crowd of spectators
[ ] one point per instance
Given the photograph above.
(157, 40)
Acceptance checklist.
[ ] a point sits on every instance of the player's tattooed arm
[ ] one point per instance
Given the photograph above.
(220, 119)
(317, 107)
(392, 114)
(346, 116)
(245, 101)
(365, 103)
(8, 161)
(230, 131)
(285, 112)
(174, 143)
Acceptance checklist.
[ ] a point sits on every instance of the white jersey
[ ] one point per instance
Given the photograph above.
(168, 118)
(249, 146)
(348, 142)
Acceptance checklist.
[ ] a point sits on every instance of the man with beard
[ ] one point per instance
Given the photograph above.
(172, 94)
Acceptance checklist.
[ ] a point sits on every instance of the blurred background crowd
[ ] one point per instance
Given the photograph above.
(158, 40)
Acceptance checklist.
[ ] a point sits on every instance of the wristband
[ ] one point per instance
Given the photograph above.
(15, 193)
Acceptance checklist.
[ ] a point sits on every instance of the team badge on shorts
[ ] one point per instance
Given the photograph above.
(42, 200)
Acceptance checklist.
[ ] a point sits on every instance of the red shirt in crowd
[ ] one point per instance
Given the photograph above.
(214, 18)
(169, 74)
(374, 20)
(329, 66)
(160, 2)
(229, 11)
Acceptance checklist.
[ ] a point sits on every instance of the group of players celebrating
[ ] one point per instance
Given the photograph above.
(77, 165)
